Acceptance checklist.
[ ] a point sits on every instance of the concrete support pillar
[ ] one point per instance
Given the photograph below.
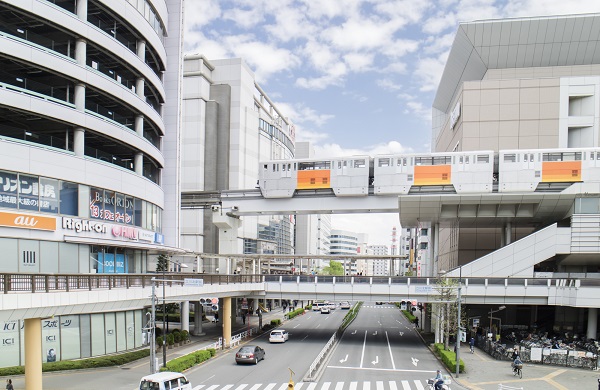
(139, 87)
(254, 305)
(138, 163)
(226, 322)
(508, 233)
(138, 125)
(228, 237)
(79, 141)
(82, 9)
(592, 325)
(141, 49)
(432, 267)
(198, 311)
(185, 315)
(80, 51)
(79, 97)
(33, 354)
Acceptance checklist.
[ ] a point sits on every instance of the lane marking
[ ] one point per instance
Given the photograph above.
(353, 385)
(362, 355)
(255, 387)
(379, 385)
(405, 385)
(326, 386)
(414, 361)
(241, 387)
(298, 385)
(367, 386)
(344, 359)
(296, 326)
(339, 385)
(419, 385)
(355, 330)
(390, 348)
(376, 360)
(227, 387)
(270, 386)
(385, 369)
(393, 385)
(312, 386)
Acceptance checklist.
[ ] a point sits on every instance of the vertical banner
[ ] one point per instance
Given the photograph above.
(9, 347)
(50, 340)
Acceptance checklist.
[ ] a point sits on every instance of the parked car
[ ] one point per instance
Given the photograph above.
(379, 303)
(279, 336)
(325, 309)
(345, 305)
(250, 354)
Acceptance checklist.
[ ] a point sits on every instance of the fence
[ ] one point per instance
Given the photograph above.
(317, 362)
(542, 355)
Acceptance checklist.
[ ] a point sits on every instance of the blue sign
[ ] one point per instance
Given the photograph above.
(159, 238)
(107, 264)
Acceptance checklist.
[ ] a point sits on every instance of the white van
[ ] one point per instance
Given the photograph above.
(165, 381)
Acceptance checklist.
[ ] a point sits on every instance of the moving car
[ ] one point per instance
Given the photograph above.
(345, 305)
(165, 381)
(279, 336)
(325, 309)
(250, 354)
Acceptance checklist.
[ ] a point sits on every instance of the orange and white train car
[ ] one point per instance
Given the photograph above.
(459, 172)
(540, 169)
(344, 176)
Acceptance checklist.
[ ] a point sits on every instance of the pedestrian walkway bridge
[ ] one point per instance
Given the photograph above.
(40, 296)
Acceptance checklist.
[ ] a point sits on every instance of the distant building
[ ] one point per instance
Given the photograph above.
(381, 267)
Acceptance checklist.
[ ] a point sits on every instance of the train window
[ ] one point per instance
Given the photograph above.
(289, 167)
(359, 163)
(441, 160)
(294, 166)
(384, 162)
(273, 167)
(339, 165)
(409, 177)
(404, 161)
(460, 159)
(483, 159)
(265, 167)
(510, 157)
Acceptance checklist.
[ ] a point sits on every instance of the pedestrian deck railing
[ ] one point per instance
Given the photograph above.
(36, 283)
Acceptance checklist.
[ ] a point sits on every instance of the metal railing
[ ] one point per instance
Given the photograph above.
(73, 282)
(320, 357)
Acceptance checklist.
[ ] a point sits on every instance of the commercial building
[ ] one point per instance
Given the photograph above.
(89, 104)
(526, 85)
(229, 126)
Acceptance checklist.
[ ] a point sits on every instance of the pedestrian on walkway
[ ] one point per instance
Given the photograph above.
(243, 319)
(9, 385)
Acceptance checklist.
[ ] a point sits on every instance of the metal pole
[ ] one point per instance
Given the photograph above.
(458, 335)
(164, 317)
(152, 329)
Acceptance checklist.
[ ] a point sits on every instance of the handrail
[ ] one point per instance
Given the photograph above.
(21, 282)
(317, 362)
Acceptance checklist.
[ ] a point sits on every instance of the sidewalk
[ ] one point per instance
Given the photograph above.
(485, 373)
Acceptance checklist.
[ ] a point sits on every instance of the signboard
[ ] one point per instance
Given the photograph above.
(423, 289)
(190, 282)
(475, 322)
(27, 221)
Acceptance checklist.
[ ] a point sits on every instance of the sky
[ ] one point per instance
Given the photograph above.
(354, 76)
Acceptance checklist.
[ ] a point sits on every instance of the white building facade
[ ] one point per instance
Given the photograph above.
(90, 154)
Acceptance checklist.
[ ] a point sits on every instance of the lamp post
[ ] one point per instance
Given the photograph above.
(459, 329)
(164, 346)
(491, 318)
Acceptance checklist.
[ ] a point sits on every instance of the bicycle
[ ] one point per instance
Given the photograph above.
(518, 370)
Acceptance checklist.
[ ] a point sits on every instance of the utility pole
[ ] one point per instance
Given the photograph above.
(152, 330)
(458, 333)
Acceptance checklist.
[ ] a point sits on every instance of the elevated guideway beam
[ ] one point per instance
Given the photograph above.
(251, 202)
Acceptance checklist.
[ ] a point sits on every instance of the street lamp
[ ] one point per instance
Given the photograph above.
(491, 318)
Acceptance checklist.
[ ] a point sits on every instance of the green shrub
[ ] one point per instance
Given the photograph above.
(185, 335)
(182, 363)
(177, 337)
(103, 361)
(409, 315)
(295, 313)
(159, 341)
(276, 322)
(170, 339)
(449, 358)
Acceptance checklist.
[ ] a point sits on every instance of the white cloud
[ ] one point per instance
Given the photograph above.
(429, 71)
(336, 150)
(389, 85)
(516, 8)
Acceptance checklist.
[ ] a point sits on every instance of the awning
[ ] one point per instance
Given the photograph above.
(125, 244)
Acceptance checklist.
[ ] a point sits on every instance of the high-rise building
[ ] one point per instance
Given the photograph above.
(229, 126)
(89, 133)
(381, 267)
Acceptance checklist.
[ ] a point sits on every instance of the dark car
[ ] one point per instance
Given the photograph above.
(250, 354)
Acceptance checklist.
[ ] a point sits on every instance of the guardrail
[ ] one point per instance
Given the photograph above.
(33, 283)
(237, 338)
(317, 362)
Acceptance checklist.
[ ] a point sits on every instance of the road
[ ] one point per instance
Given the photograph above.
(380, 347)
(308, 334)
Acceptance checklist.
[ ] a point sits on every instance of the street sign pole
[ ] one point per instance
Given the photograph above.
(152, 330)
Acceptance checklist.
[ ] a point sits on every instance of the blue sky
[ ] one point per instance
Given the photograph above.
(355, 76)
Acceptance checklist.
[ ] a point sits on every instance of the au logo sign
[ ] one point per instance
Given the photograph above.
(27, 221)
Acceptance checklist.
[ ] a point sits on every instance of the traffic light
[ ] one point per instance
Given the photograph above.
(215, 307)
(413, 309)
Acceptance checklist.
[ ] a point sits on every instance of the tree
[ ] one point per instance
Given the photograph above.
(162, 263)
(447, 311)
(334, 268)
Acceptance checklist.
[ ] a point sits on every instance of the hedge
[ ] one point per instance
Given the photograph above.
(448, 358)
(182, 363)
(295, 313)
(103, 361)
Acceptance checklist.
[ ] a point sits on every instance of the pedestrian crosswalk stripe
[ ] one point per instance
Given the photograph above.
(354, 385)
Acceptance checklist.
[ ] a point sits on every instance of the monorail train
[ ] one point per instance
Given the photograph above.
(453, 172)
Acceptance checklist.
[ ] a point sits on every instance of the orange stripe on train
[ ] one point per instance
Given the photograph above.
(308, 180)
(433, 175)
(561, 171)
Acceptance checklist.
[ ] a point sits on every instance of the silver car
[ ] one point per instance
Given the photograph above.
(279, 336)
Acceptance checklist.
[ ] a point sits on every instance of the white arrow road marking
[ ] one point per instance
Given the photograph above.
(376, 360)
(379, 322)
(375, 334)
(296, 326)
(344, 359)
(355, 330)
(415, 361)
(401, 333)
